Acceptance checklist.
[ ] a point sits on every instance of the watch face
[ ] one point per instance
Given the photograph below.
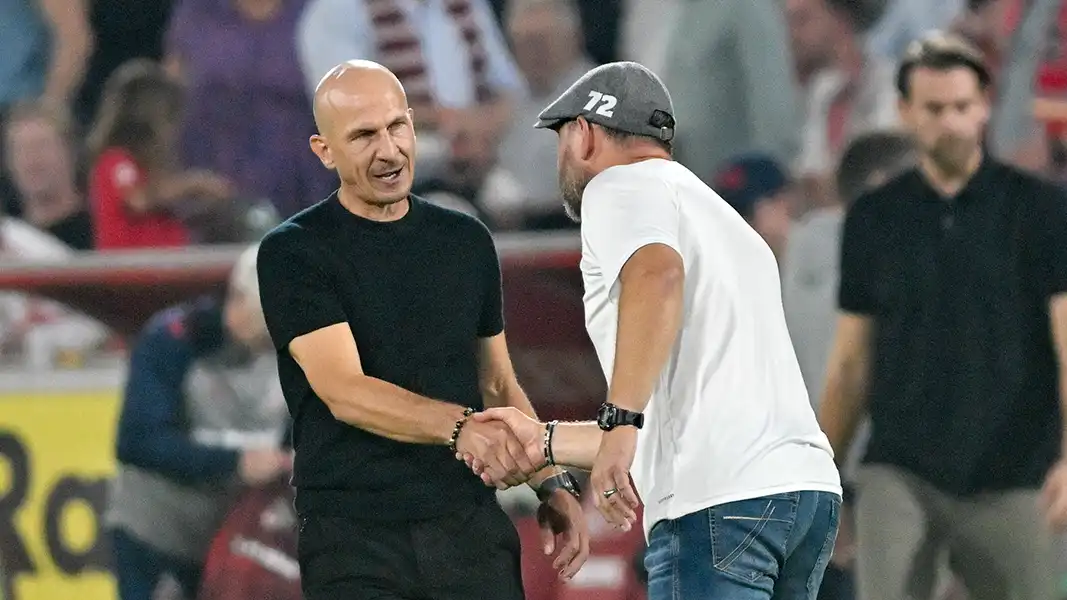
(605, 417)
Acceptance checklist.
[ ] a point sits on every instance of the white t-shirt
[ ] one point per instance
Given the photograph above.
(729, 418)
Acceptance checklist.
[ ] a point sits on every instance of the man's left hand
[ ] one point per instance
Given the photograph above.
(1054, 495)
(614, 496)
(563, 526)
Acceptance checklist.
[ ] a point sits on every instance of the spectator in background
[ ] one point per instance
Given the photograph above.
(646, 25)
(29, 325)
(809, 282)
(522, 190)
(246, 106)
(203, 412)
(761, 192)
(450, 55)
(122, 34)
(41, 159)
(810, 269)
(952, 336)
(896, 23)
(728, 68)
(46, 46)
(135, 183)
(847, 91)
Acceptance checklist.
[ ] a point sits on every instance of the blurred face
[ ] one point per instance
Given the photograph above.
(244, 320)
(947, 112)
(771, 219)
(38, 157)
(812, 33)
(368, 137)
(574, 173)
(543, 46)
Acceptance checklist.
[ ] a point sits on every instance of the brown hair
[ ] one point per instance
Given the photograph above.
(886, 152)
(941, 52)
(140, 100)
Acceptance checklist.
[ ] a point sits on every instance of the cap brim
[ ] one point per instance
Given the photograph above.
(549, 123)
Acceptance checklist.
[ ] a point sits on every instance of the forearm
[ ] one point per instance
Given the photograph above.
(576, 444)
(72, 46)
(650, 316)
(1063, 410)
(842, 407)
(392, 412)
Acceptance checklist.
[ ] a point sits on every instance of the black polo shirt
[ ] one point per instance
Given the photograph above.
(417, 294)
(963, 389)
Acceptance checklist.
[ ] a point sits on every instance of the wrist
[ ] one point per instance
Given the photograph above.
(458, 419)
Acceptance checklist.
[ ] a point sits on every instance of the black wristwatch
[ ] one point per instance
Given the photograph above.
(560, 481)
(609, 417)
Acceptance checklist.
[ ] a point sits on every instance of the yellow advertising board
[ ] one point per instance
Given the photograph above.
(56, 456)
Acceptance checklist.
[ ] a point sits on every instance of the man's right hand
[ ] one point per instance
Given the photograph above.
(503, 456)
(257, 467)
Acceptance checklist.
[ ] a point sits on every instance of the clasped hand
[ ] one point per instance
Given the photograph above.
(503, 460)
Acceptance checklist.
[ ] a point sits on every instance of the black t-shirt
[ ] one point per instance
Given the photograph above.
(964, 377)
(418, 293)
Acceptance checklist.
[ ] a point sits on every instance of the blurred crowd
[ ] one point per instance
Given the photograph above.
(169, 123)
(163, 124)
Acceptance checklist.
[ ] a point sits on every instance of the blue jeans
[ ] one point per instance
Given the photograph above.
(770, 548)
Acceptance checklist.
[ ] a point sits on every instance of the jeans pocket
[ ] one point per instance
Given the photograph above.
(749, 537)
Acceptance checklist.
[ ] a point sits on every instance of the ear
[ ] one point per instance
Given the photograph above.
(321, 150)
(902, 109)
(586, 138)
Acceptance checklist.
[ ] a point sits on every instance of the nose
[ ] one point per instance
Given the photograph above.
(388, 150)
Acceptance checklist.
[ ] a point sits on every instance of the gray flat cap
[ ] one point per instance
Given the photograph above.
(621, 95)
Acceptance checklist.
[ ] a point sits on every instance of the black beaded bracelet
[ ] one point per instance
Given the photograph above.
(550, 429)
(467, 412)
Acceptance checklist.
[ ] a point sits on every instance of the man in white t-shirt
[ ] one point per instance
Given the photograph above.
(705, 399)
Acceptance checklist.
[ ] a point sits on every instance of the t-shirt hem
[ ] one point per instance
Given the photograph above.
(678, 510)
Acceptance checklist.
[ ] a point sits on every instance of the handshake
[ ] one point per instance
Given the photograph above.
(503, 446)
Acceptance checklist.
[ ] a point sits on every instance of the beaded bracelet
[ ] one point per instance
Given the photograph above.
(550, 429)
(467, 412)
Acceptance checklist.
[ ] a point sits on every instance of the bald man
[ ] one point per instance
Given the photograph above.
(386, 314)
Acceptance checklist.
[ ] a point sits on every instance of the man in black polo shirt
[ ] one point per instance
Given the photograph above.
(387, 512)
(952, 335)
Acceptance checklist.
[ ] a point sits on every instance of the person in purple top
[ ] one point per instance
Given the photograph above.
(248, 111)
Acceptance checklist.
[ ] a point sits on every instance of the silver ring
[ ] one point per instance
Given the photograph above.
(610, 493)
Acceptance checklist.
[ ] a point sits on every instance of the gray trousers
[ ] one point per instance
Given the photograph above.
(907, 533)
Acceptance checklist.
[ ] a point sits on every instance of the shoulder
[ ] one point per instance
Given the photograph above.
(884, 199)
(27, 242)
(646, 179)
(300, 233)
(455, 221)
(189, 329)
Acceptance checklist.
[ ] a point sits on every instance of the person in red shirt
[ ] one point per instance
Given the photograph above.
(134, 183)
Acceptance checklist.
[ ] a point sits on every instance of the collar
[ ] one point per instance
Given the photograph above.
(978, 184)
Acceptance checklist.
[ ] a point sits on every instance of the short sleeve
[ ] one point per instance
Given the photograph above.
(621, 215)
(491, 322)
(297, 292)
(1048, 239)
(855, 293)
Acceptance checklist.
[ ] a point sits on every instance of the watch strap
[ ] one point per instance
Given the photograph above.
(560, 481)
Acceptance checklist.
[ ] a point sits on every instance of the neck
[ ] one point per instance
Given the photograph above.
(949, 182)
(374, 212)
(46, 208)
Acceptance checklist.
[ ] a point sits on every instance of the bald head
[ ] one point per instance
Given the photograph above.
(350, 82)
